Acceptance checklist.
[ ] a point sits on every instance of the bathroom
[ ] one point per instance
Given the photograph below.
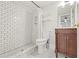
(27, 28)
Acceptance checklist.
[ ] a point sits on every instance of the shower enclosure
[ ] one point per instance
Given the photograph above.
(16, 23)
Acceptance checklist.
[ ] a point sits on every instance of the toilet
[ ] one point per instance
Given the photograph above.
(41, 43)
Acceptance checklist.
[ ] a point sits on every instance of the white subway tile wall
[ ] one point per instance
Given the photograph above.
(7, 26)
(15, 24)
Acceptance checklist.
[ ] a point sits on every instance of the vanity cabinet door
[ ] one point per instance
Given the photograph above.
(72, 44)
(61, 43)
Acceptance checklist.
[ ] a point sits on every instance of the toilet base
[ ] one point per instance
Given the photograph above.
(41, 49)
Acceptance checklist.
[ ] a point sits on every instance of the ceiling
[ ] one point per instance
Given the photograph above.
(43, 4)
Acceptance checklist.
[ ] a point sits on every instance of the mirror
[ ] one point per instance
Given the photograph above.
(66, 14)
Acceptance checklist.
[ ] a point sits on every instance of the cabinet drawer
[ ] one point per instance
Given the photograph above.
(66, 30)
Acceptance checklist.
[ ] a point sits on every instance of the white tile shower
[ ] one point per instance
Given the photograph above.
(15, 25)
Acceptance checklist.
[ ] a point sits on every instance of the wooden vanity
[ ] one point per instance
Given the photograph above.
(66, 42)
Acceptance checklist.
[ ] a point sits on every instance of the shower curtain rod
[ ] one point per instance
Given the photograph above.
(35, 4)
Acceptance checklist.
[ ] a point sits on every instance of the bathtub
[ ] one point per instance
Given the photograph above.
(29, 48)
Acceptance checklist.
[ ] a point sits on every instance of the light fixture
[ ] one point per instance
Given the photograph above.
(71, 2)
(62, 4)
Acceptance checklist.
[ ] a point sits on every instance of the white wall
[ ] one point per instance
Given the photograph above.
(49, 24)
(35, 27)
(77, 31)
(25, 27)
